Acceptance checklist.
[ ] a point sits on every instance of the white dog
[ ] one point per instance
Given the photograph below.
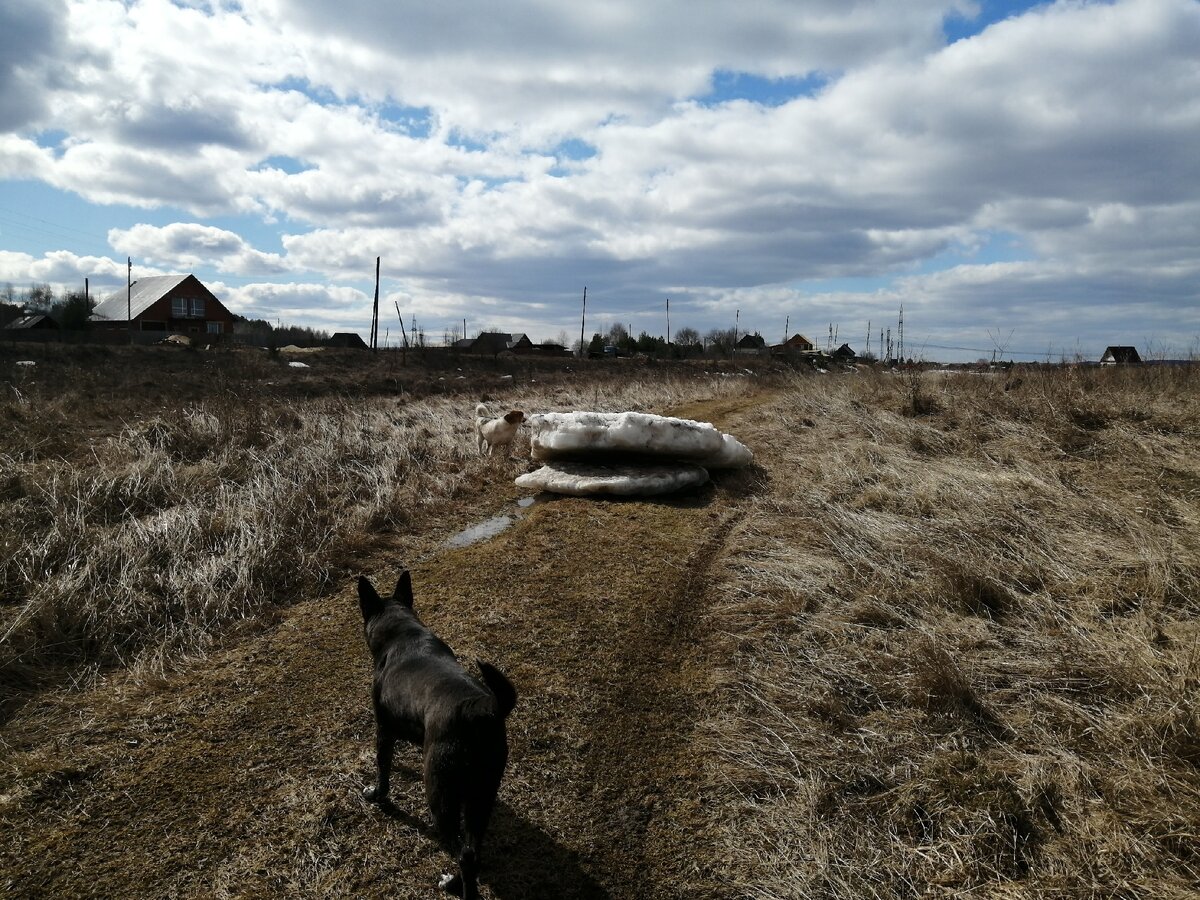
(492, 433)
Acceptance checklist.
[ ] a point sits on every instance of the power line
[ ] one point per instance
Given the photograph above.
(61, 229)
(1007, 352)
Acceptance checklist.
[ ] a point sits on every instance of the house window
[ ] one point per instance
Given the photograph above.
(214, 328)
(187, 307)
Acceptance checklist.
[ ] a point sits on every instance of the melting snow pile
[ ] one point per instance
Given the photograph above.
(626, 453)
(581, 478)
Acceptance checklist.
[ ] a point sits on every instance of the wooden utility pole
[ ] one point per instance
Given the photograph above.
(403, 336)
(787, 320)
(668, 320)
(867, 352)
(375, 311)
(737, 315)
(129, 296)
(582, 324)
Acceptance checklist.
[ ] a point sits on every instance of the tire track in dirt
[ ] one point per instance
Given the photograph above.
(643, 763)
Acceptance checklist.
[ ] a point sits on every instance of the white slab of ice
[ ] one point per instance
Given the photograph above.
(584, 478)
(574, 434)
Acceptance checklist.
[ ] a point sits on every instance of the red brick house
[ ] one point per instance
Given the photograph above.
(796, 343)
(169, 304)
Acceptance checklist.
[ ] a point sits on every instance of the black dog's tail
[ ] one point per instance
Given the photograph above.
(500, 686)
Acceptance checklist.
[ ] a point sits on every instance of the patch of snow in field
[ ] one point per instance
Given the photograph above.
(583, 479)
(559, 435)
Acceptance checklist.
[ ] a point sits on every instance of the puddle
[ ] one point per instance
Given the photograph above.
(480, 532)
(493, 526)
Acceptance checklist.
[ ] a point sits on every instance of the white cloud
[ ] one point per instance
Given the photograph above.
(183, 246)
(429, 135)
(63, 270)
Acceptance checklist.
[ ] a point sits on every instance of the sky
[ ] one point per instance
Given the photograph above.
(1020, 178)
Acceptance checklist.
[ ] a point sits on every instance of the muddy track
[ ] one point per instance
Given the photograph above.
(240, 775)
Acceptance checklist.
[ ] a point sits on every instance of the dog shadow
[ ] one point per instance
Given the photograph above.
(520, 860)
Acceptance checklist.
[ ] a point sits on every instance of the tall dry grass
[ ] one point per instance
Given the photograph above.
(140, 546)
(964, 645)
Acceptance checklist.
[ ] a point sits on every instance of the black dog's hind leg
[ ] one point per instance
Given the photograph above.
(476, 812)
(385, 744)
(446, 805)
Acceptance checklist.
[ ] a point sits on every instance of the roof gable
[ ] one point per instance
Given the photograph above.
(1121, 354)
(142, 294)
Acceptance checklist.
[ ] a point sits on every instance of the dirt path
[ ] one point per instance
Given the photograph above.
(240, 776)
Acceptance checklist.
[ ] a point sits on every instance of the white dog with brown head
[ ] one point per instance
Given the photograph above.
(492, 433)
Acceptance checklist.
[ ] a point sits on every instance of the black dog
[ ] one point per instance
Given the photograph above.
(423, 695)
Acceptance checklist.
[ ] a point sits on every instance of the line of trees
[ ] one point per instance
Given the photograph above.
(262, 333)
(70, 311)
(687, 341)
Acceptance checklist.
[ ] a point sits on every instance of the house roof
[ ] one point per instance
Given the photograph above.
(347, 339)
(752, 340)
(37, 320)
(143, 294)
(1121, 354)
(496, 342)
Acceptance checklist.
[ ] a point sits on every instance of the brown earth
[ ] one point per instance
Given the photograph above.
(240, 775)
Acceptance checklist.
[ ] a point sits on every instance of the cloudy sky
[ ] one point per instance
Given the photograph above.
(1018, 176)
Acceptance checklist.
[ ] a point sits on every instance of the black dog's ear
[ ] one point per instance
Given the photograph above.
(404, 589)
(369, 600)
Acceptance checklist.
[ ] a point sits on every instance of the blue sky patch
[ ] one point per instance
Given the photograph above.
(995, 246)
(570, 151)
(728, 85)
(288, 164)
(414, 121)
(52, 139)
(956, 26)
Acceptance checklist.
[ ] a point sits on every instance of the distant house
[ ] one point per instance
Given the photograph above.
(347, 339)
(750, 345)
(174, 304)
(549, 348)
(1120, 356)
(35, 322)
(492, 343)
(844, 353)
(797, 343)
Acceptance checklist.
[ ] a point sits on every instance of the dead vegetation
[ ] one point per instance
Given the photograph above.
(130, 540)
(967, 649)
(943, 642)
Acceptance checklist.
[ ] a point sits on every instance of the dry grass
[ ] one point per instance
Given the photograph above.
(954, 632)
(965, 649)
(134, 543)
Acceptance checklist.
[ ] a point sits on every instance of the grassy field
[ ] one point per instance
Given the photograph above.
(941, 640)
(966, 656)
